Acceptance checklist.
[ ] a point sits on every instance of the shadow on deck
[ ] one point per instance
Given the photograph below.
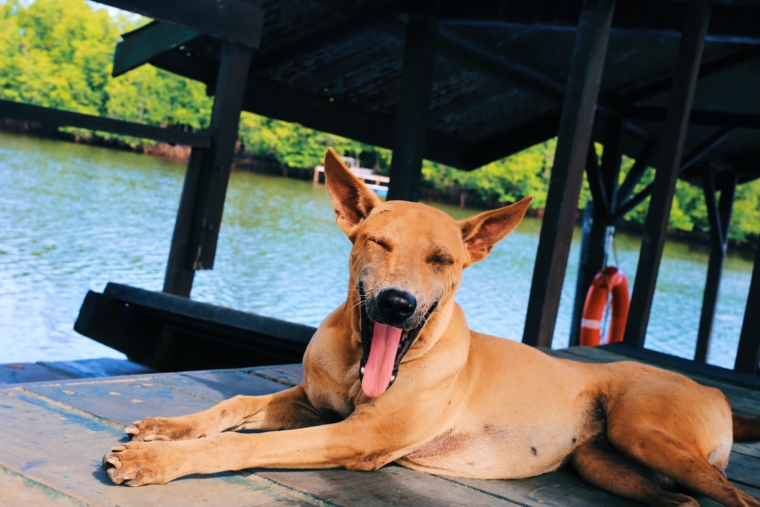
(54, 434)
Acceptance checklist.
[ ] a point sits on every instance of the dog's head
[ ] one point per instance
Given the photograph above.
(406, 263)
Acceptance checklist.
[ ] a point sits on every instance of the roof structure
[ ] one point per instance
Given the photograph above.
(500, 74)
(673, 84)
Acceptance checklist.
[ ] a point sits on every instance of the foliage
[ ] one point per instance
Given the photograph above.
(58, 53)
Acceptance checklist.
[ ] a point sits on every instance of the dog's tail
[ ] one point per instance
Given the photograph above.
(746, 428)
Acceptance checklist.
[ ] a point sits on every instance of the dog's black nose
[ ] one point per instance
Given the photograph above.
(396, 305)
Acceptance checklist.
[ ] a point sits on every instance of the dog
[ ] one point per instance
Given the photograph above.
(395, 375)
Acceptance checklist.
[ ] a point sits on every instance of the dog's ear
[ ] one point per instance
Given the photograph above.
(481, 232)
(351, 198)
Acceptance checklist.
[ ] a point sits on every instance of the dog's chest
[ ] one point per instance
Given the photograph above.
(330, 394)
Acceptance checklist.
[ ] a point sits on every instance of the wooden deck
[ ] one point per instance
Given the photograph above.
(54, 433)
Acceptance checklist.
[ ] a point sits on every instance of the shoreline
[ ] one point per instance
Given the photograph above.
(269, 165)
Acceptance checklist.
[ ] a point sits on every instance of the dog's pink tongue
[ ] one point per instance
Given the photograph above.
(382, 355)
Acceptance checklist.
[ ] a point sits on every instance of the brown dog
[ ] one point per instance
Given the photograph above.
(394, 374)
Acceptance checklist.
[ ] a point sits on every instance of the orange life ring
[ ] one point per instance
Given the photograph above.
(610, 278)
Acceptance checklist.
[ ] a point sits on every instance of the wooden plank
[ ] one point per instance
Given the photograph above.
(410, 130)
(655, 227)
(220, 385)
(61, 450)
(18, 491)
(720, 218)
(57, 117)
(16, 373)
(555, 489)
(119, 401)
(390, 486)
(102, 367)
(567, 174)
(288, 374)
(229, 20)
(139, 46)
(748, 352)
(744, 469)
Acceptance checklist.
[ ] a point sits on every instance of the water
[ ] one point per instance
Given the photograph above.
(74, 217)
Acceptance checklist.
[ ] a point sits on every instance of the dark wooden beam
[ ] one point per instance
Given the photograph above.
(732, 23)
(748, 352)
(720, 218)
(140, 46)
(725, 37)
(636, 172)
(718, 118)
(199, 218)
(594, 242)
(178, 279)
(59, 118)
(595, 181)
(583, 270)
(696, 155)
(567, 174)
(655, 228)
(410, 130)
(512, 141)
(612, 159)
(230, 20)
(664, 84)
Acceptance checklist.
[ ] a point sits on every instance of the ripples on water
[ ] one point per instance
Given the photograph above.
(75, 217)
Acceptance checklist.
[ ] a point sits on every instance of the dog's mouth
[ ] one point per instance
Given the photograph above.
(383, 347)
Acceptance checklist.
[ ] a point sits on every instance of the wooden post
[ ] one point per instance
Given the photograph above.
(567, 174)
(202, 203)
(580, 282)
(720, 219)
(593, 255)
(748, 352)
(655, 227)
(414, 104)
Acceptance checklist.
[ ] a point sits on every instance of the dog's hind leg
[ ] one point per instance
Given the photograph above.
(616, 474)
(674, 458)
(289, 409)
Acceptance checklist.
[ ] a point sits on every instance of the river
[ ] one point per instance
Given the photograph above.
(75, 217)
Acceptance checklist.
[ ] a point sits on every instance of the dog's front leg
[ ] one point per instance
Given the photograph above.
(287, 409)
(355, 444)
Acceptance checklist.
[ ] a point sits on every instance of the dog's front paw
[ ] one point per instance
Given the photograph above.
(137, 464)
(160, 428)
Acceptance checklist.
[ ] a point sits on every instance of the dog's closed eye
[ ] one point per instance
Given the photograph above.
(441, 259)
(382, 243)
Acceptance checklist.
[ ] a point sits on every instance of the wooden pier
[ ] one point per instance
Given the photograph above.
(54, 435)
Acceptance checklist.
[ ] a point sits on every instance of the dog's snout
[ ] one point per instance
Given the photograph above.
(396, 305)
